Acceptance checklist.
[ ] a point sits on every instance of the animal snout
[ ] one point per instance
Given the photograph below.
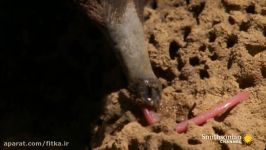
(147, 92)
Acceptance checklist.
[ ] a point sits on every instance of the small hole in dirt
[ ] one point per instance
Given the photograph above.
(264, 31)
(255, 49)
(204, 74)
(244, 26)
(197, 10)
(228, 7)
(212, 36)
(202, 48)
(214, 57)
(194, 141)
(211, 48)
(230, 60)
(182, 77)
(173, 49)
(180, 63)
(218, 131)
(168, 145)
(263, 12)
(154, 4)
(246, 81)
(135, 144)
(194, 61)
(224, 146)
(263, 72)
(157, 128)
(166, 74)
(250, 9)
(164, 17)
(186, 32)
(176, 4)
(153, 41)
(231, 41)
(231, 20)
(188, 2)
(215, 22)
(147, 16)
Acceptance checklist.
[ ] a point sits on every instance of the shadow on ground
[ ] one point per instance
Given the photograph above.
(54, 72)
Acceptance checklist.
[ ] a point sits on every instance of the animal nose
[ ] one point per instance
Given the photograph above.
(147, 92)
(151, 94)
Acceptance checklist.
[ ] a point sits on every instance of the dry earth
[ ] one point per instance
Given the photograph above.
(203, 52)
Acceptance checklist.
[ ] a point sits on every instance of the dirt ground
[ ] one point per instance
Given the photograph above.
(55, 72)
(204, 52)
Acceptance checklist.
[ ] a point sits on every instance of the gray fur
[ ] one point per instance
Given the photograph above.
(122, 24)
(128, 37)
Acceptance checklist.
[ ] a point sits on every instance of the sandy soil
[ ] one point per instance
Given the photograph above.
(203, 52)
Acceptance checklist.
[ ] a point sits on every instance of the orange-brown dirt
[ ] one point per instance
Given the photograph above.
(55, 72)
(203, 52)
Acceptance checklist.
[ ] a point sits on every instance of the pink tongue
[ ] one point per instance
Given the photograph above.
(150, 116)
